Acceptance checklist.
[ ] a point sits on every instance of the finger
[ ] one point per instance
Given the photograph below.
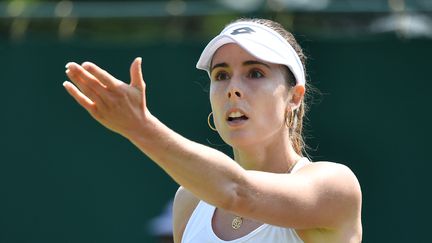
(85, 87)
(79, 97)
(84, 75)
(100, 74)
(137, 79)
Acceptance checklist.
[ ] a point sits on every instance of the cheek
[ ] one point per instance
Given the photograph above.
(213, 95)
(216, 98)
(274, 112)
(273, 104)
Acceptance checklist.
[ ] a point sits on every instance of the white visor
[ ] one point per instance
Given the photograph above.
(261, 42)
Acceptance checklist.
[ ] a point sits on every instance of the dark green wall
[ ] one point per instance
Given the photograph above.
(64, 178)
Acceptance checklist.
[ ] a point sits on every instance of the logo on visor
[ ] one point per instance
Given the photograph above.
(243, 30)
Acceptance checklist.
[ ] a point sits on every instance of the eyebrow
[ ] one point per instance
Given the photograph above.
(245, 63)
(223, 64)
(253, 62)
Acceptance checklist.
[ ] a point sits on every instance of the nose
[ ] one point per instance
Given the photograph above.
(234, 90)
(235, 93)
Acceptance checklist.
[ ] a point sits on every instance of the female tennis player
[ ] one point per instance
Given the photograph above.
(269, 192)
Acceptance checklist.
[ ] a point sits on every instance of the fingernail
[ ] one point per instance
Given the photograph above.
(68, 64)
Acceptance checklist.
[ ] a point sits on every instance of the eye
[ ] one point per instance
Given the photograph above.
(255, 74)
(220, 76)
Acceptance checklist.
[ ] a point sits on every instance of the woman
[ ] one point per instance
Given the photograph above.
(269, 192)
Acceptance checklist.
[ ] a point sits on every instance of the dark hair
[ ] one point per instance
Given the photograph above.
(296, 125)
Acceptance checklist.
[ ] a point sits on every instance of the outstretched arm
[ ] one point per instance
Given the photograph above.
(307, 199)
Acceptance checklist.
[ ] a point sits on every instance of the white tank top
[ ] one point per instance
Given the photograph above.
(199, 227)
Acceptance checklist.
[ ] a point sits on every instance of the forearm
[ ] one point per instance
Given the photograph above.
(209, 174)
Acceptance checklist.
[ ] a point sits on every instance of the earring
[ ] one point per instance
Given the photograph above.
(290, 122)
(208, 122)
(292, 118)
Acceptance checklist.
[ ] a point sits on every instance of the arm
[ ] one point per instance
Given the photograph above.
(307, 199)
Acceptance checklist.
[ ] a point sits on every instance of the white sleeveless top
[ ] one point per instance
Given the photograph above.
(199, 227)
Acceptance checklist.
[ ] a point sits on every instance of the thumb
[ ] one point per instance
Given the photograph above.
(137, 79)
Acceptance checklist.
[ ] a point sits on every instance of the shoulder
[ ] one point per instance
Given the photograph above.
(184, 205)
(334, 176)
(335, 182)
(332, 173)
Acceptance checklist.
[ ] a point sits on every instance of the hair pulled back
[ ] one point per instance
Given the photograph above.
(296, 124)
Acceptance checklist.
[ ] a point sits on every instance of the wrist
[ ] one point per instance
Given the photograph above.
(143, 130)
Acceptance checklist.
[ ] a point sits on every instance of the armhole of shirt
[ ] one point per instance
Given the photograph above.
(190, 220)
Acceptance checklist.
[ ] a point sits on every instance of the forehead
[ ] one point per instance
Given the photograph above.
(231, 53)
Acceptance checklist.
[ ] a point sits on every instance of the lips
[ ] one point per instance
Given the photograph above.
(236, 117)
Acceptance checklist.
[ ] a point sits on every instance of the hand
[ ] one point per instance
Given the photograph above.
(118, 106)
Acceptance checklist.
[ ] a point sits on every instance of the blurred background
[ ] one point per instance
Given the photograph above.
(65, 178)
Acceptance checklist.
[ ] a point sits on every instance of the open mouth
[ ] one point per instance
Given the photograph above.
(236, 116)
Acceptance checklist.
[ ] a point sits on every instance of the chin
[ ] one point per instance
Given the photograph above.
(239, 139)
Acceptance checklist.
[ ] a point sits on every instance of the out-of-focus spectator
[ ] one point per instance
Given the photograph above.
(161, 226)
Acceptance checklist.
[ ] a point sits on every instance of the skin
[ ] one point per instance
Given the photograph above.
(321, 201)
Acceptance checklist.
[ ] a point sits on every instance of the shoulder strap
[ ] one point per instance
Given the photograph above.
(300, 164)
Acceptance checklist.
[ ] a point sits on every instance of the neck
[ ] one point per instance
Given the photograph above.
(276, 157)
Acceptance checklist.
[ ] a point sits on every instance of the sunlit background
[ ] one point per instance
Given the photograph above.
(65, 178)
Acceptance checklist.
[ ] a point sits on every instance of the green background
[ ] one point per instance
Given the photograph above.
(65, 178)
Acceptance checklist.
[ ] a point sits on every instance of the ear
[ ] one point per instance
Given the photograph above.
(297, 94)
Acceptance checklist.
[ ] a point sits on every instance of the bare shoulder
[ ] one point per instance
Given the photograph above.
(184, 205)
(333, 174)
(336, 181)
(339, 193)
